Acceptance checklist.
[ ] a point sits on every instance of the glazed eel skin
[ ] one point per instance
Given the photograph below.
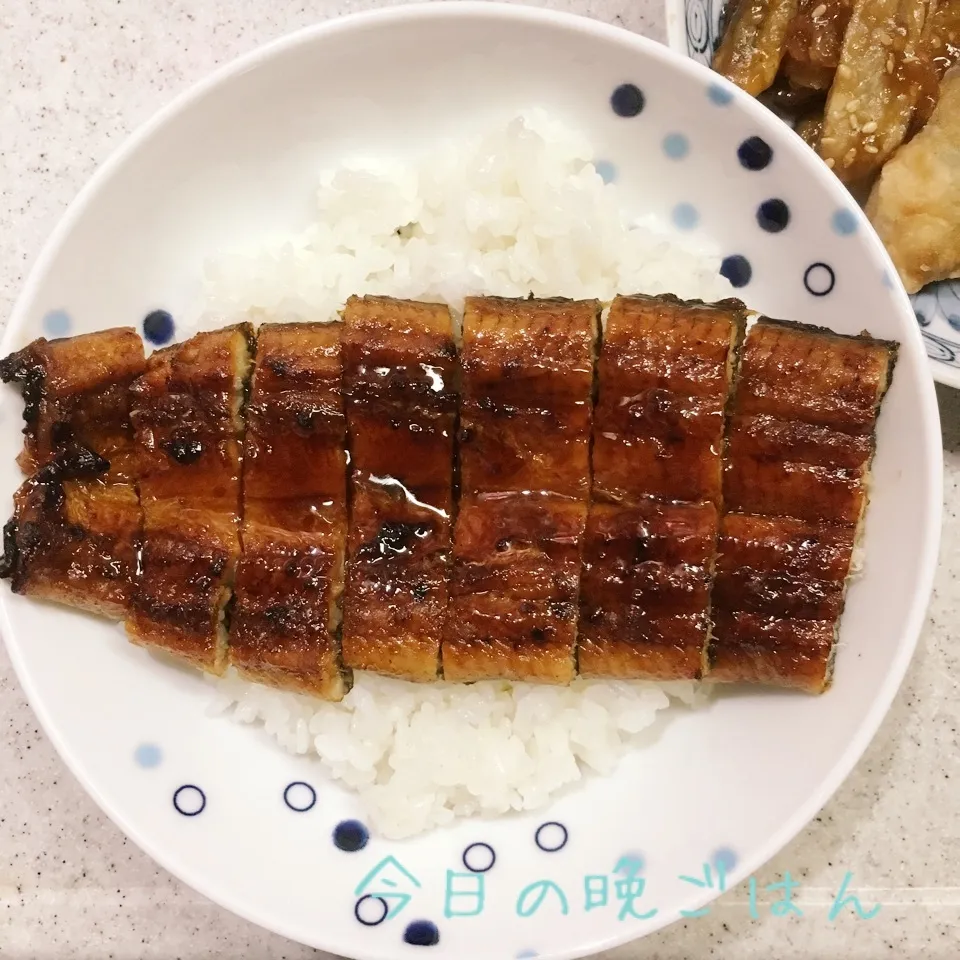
(539, 507)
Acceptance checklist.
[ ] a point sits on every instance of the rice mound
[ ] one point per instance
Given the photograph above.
(518, 210)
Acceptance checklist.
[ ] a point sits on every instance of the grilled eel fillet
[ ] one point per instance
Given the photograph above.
(525, 473)
(284, 619)
(186, 412)
(76, 391)
(399, 381)
(665, 373)
(800, 441)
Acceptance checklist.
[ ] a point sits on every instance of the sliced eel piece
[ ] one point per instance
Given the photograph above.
(665, 373)
(76, 391)
(800, 436)
(186, 411)
(285, 617)
(801, 440)
(754, 42)
(73, 538)
(399, 370)
(524, 461)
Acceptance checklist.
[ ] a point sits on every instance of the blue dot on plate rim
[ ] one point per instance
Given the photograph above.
(371, 911)
(755, 153)
(422, 933)
(819, 279)
(685, 216)
(299, 796)
(676, 146)
(773, 215)
(606, 170)
(56, 323)
(189, 800)
(736, 268)
(527, 954)
(719, 96)
(844, 222)
(551, 836)
(148, 755)
(627, 100)
(350, 836)
(158, 327)
(479, 857)
(725, 859)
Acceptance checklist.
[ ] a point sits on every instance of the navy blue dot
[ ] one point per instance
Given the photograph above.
(350, 835)
(299, 796)
(370, 910)
(158, 327)
(422, 933)
(607, 171)
(56, 323)
(685, 216)
(551, 837)
(189, 800)
(627, 100)
(676, 146)
(755, 153)
(479, 857)
(773, 215)
(844, 222)
(737, 270)
(148, 755)
(718, 95)
(725, 859)
(819, 279)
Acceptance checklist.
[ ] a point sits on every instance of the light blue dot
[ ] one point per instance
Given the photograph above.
(676, 146)
(887, 281)
(844, 222)
(524, 954)
(148, 755)
(725, 859)
(607, 171)
(56, 323)
(685, 216)
(718, 95)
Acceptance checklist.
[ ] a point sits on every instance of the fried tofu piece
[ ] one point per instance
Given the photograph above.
(399, 380)
(525, 474)
(778, 596)
(645, 596)
(187, 415)
(754, 43)
(664, 374)
(289, 581)
(800, 437)
(76, 392)
(513, 602)
(915, 205)
(877, 87)
(74, 538)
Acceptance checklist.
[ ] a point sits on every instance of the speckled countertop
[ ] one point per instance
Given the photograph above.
(76, 76)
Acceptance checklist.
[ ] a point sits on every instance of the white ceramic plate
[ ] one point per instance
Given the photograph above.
(730, 785)
(693, 29)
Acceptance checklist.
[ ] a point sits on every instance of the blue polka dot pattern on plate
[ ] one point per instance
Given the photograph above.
(844, 222)
(676, 146)
(370, 910)
(627, 100)
(736, 269)
(56, 323)
(422, 933)
(551, 836)
(148, 755)
(158, 327)
(755, 153)
(350, 836)
(479, 857)
(725, 859)
(685, 216)
(607, 171)
(718, 95)
(189, 800)
(773, 215)
(819, 279)
(299, 796)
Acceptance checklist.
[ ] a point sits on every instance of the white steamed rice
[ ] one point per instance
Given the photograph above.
(516, 211)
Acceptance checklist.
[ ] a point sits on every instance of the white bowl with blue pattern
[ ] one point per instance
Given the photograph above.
(693, 29)
(263, 832)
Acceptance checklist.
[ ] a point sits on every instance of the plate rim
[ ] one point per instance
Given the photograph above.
(492, 10)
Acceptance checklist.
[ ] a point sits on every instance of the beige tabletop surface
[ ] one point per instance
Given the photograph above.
(76, 77)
